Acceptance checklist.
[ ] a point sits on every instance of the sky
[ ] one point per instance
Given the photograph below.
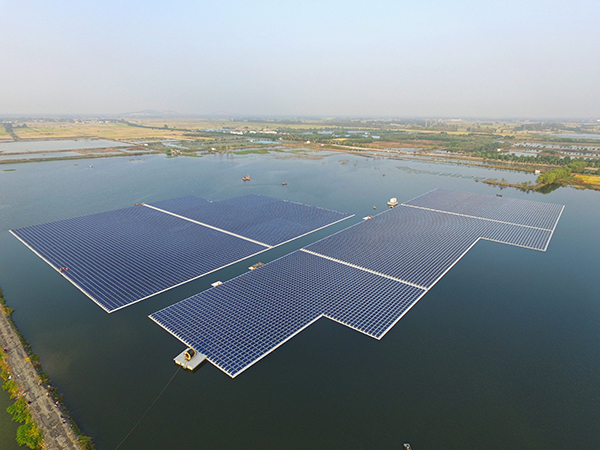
(426, 58)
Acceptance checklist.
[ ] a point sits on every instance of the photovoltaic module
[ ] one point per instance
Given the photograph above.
(365, 277)
(124, 256)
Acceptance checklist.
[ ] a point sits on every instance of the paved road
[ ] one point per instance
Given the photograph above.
(57, 431)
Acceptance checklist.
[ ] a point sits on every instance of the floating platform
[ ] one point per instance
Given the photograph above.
(366, 277)
(121, 257)
(189, 359)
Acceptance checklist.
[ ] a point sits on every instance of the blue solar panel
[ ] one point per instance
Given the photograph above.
(419, 245)
(510, 210)
(123, 256)
(366, 277)
(239, 322)
(120, 257)
(264, 219)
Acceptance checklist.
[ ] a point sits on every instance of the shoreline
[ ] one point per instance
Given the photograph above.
(48, 413)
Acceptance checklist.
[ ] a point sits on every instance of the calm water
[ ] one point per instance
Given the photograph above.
(504, 352)
(56, 145)
(8, 428)
(39, 155)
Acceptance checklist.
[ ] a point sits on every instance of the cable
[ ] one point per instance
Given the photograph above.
(149, 408)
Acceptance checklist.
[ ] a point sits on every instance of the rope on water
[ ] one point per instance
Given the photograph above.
(149, 408)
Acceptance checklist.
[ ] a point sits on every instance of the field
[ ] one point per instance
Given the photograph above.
(116, 131)
(4, 135)
(591, 180)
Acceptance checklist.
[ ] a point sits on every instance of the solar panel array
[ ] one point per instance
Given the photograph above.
(244, 319)
(365, 277)
(264, 219)
(508, 210)
(419, 245)
(121, 257)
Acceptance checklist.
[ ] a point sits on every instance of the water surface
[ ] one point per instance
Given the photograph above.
(57, 145)
(504, 352)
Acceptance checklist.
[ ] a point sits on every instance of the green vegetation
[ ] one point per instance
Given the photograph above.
(27, 434)
(561, 174)
(557, 175)
(550, 158)
(256, 151)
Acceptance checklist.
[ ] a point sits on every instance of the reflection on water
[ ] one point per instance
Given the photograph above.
(549, 188)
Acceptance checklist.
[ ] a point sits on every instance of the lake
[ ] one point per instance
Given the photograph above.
(504, 351)
(57, 145)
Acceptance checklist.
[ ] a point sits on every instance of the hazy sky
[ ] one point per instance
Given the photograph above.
(377, 58)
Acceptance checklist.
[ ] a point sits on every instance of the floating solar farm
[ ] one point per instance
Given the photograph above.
(365, 277)
(124, 256)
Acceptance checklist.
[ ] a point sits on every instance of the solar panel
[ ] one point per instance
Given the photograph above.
(419, 245)
(268, 220)
(241, 321)
(121, 257)
(365, 277)
(509, 210)
(124, 256)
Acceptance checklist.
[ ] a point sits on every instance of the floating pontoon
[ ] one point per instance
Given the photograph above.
(189, 359)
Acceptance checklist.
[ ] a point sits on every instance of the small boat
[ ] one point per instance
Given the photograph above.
(393, 202)
(498, 195)
(246, 178)
(407, 446)
(284, 183)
